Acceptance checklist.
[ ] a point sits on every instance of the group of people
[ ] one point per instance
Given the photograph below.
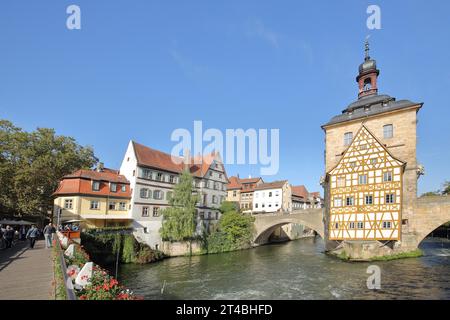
(9, 235)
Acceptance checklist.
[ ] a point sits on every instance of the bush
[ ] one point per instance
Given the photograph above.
(234, 232)
(103, 245)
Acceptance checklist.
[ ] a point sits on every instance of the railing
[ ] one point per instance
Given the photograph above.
(70, 293)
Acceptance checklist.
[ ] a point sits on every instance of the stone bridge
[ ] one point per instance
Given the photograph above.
(429, 214)
(266, 223)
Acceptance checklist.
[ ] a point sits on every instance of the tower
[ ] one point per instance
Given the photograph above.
(370, 164)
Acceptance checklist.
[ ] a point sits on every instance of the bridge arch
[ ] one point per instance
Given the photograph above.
(265, 224)
(430, 213)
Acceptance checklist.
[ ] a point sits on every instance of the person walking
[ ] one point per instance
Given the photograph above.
(9, 236)
(48, 230)
(53, 233)
(32, 234)
(23, 233)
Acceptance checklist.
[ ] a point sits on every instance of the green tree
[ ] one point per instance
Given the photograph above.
(31, 165)
(446, 190)
(179, 218)
(228, 206)
(430, 193)
(234, 231)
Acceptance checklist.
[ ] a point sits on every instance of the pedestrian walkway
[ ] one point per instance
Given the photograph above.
(26, 274)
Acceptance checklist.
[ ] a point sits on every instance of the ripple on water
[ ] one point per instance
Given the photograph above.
(294, 270)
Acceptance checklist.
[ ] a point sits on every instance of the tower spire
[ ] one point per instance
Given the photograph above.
(366, 49)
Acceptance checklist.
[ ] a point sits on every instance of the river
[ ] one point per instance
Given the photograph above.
(292, 270)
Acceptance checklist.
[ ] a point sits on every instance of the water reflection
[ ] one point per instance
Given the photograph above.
(293, 270)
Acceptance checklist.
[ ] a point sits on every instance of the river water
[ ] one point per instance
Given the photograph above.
(292, 270)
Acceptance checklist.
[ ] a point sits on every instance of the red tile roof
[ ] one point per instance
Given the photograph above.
(105, 175)
(149, 157)
(300, 191)
(271, 185)
(237, 183)
(80, 183)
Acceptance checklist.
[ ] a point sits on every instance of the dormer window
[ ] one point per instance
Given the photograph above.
(96, 185)
(113, 187)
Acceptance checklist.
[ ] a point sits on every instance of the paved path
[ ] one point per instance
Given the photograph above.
(26, 274)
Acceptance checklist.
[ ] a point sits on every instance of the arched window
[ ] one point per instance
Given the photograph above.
(367, 84)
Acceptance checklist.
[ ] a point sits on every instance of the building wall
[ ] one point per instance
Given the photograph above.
(402, 146)
(147, 227)
(81, 209)
(273, 203)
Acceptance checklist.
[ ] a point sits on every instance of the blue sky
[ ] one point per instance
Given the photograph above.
(140, 69)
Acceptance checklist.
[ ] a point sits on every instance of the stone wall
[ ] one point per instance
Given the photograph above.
(175, 249)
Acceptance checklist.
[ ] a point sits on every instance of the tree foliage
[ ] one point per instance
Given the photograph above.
(31, 165)
(179, 218)
(234, 231)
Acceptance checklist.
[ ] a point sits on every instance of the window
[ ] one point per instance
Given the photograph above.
(158, 194)
(144, 193)
(159, 176)
(367, 84)
(147, 174)
(68, 203)
(220, 175)
(113, 187)
(360, 225)
(256, 205)
(209, 215)
(156, 211)
(263, 205)
(214, 199)
(373, 161)
(336, 225)
(270, 194)
(172, 179)
(122, 206)
(390, 198)
(234, 193)
(387, 176)
(112, 206)
(348, 137)
(387, 225)
(217, 216)
(352, 164)
(202, 215)
(341, 181)
(368, 199)
(349, 201)
(388, 131)
(210, 173)
(124, 188)
(145, 211)
(363, 179)
(95, 205)
(96, 185)
(338, 202)
(352, 225)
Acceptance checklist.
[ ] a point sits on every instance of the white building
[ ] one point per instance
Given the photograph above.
(272, 197)
(153, 175)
